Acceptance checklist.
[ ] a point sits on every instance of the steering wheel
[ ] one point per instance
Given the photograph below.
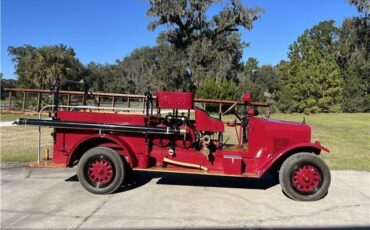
(231, 108)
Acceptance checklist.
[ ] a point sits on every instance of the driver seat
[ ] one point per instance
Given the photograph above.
(204, 122)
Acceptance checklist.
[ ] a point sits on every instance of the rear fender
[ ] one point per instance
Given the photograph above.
(127, 152)
(283, 154)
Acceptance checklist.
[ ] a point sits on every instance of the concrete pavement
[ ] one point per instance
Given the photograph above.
(6, 123)
(53, 198)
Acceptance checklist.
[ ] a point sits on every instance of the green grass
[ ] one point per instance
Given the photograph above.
(20, 143)
(346, 135)
(14, 116)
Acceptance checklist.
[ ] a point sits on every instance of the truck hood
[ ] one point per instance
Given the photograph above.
(286, 131)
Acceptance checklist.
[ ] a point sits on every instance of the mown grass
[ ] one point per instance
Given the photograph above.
(346, 135)
(14, 116)
(20, 143)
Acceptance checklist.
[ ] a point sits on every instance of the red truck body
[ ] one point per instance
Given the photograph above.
(186, 145)
(268, 140)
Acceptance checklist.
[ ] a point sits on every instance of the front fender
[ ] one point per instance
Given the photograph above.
(313, 146)
(289, 150)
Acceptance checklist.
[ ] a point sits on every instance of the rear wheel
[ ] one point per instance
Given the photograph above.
(304, 177)
(101, 170)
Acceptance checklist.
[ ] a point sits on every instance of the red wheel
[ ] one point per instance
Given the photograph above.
(101, 170)
(306, 179)
(304, 176)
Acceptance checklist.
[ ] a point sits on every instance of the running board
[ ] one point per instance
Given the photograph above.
(192, 171)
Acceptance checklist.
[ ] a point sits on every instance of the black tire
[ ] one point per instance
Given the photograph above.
(97, 163)
(300, 186)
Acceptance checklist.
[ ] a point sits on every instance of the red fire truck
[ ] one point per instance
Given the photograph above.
(175, 136)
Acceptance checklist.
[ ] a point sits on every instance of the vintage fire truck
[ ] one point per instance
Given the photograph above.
(174, 136)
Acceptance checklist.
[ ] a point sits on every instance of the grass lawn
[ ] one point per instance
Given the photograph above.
(346, 135)
(20, 143)
(14, 116)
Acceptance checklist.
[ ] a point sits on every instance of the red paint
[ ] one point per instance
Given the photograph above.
(206, 123)
(174, 100)
(143, 161)
(239, 134)
(306, 179)
(69, 141)
(188, 140)
(250, 112)
(161, 140)
(268, 140)
(232, 164)
(111, 118)
(100, 172)
(247, 98)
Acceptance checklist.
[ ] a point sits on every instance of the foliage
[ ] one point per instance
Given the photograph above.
(311, 81)
(260, 81)
(38, 67)
(187, 20)
(354, 61)
(106, 78)
(6, 83)
(156, 68)
(363, 6)
(353, 58)
(224, 89)
(210, 48)
(145, 69)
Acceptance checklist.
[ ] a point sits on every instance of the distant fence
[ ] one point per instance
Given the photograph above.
(32, 100)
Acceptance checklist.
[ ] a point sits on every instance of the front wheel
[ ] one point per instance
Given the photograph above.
(305, 177)
(101, 170)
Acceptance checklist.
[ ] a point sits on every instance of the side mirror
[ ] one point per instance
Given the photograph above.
(247, 98)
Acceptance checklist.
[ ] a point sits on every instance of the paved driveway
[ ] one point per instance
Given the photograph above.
(53, 198)
(6, 123)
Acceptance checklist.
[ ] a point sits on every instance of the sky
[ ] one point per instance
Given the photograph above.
(103, 31)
